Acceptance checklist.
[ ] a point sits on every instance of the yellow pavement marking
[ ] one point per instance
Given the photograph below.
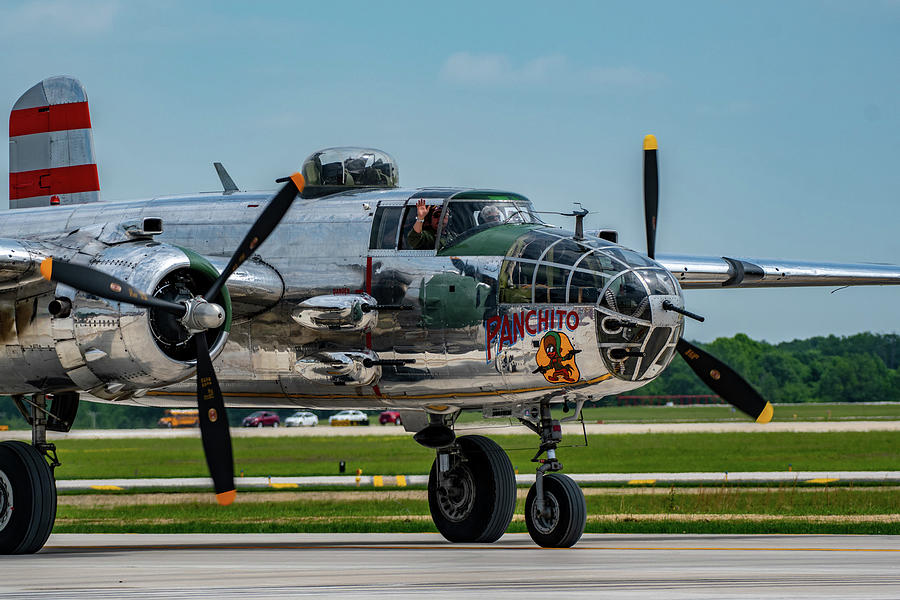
(105, 487)
(279, 486)
(642, 482)
(401, 480)
(822, 480)
(377, 481)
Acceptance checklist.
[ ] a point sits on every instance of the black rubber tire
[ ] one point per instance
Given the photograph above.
(34, 498)
(494, 500)
(568, 499)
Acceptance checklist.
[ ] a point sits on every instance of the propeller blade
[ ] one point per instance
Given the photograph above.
(214, 426)
(261, 229)
(725, 382)
(106, 286)
(651, 192)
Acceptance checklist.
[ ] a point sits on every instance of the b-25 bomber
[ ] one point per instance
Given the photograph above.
(342, 290)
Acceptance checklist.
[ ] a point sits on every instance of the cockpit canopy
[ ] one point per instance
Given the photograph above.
(454, 221)
(335, 170)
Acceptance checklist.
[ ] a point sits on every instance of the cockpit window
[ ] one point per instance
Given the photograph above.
(471, 216)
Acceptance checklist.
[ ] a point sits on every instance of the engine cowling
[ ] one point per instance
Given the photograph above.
(117, 350)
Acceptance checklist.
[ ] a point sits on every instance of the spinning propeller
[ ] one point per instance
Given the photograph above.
(721, 378)
(196, 315)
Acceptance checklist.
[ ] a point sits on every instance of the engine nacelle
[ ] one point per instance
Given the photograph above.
(117, 350)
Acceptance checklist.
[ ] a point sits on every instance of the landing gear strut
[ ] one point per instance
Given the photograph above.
(27, 487)
(472, 490)
(555, 509)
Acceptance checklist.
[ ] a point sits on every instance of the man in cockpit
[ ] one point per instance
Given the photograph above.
(424, 231)
(490, 214)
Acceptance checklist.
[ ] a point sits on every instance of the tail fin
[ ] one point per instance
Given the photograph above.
(51, 148)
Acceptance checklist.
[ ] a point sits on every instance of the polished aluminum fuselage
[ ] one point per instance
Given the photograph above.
(321, 248)
(442, 351)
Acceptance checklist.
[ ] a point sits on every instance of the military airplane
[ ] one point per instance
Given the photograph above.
(341, 290)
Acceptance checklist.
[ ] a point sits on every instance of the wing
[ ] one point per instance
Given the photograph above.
(708, 272)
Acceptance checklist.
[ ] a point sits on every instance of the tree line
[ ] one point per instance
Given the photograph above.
(856, 368)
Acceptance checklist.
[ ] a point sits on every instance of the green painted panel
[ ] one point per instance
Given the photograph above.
(493, 241)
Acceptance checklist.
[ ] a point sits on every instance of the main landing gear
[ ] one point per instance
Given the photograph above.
(472, 487)
(27, 486)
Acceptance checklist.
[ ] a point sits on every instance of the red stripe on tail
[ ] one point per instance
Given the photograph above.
(58, 117)
(61, 180)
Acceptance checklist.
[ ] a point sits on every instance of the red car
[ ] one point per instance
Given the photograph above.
(390, 416)
(261, 418)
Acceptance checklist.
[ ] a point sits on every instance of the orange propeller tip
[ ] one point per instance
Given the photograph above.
(226, 498)
(766, 415)
(47, 268)
(650, 142)
(298, 180)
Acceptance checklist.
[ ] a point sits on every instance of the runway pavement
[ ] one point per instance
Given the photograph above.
(414, 565)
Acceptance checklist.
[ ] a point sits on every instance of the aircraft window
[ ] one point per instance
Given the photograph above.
(550, 284)
(533, 245)
(384, 228)
(585, 287)
(626, 295)
(410, 219)
(515, 282)
(630, 258)
(565, 252)
(658, 282)
(599, 262)
(468, 217)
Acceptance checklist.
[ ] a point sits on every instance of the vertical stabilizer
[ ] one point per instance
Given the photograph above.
(51, 148)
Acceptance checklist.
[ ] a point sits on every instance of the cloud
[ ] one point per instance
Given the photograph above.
(46, 17)
(497, 70)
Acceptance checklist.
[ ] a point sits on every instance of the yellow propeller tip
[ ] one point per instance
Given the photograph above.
(766, 415)
(226, 498)
(650, 142)
(298, 180)
(47, 268)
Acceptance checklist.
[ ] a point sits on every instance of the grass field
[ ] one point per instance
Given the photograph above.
(784, 509)
(716, 509)
(717, 414)
(389, 455)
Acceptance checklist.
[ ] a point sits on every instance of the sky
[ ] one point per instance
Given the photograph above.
(777, 121)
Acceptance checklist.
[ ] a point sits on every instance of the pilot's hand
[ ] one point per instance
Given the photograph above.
(421, 209)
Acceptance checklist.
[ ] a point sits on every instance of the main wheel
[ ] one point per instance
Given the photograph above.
(27, 499)
(474, 500)
(565, 513)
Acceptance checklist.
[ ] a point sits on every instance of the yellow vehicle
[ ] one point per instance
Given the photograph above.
(180, 417)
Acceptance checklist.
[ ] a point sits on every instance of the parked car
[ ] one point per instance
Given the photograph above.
(301, 418)
(349, 417)
(390, 416)
(180, 417)
(261, 418)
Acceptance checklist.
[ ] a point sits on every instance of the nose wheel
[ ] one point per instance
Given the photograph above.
(561, 520)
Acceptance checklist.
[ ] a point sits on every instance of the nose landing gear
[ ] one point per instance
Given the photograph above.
(555, 509)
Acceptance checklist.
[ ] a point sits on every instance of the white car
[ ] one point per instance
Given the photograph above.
(349, 417)
(301, 418)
